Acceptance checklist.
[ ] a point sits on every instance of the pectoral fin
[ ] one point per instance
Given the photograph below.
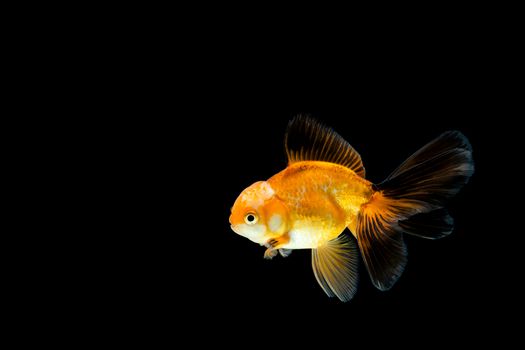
(274, 244)
(285, 252)
(335, 267)
(270, 253)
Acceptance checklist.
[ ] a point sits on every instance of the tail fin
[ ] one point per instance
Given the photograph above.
(411, 201)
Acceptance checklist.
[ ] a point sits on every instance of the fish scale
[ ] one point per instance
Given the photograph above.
(346, 190)
(323, 190)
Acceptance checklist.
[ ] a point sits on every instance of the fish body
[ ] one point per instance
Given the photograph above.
(323, 199)
(323, 191)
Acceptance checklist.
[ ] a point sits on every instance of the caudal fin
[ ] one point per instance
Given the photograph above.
(411, 201)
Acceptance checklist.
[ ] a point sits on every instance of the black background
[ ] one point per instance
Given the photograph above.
(196, 133)
(181, 257)
(165, 116)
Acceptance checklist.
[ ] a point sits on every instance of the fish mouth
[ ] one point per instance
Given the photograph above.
(234, 230)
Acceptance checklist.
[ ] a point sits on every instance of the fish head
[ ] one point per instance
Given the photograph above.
(258, 214)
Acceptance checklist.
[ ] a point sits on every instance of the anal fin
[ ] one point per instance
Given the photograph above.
(335, 267)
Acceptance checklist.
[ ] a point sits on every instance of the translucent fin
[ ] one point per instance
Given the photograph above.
(270, 253)
(433, 225)
(307, 139)
(434, 173)
(335, 267)
(410, 200)
(381, 243)
(285, 252)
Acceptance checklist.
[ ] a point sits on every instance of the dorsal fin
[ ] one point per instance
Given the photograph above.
(307, 139)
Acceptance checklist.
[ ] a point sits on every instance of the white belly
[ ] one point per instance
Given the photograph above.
(306, 238)
(302, 239)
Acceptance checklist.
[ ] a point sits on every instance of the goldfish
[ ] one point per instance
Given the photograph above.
(323, 191)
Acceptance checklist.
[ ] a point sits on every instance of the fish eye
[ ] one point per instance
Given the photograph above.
(250, 218)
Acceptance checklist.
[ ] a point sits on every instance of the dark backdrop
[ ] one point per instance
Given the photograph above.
(192, 139)
(195, 158)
